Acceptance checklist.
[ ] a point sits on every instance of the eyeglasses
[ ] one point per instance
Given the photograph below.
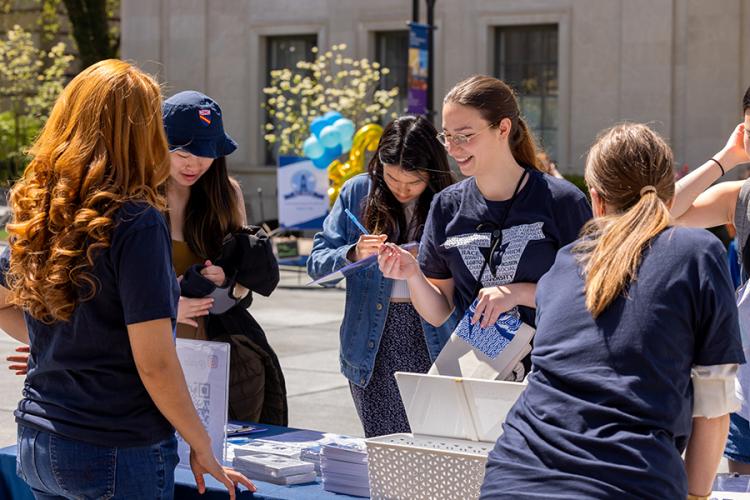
(459, 139)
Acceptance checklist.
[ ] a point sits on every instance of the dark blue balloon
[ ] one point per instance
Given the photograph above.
(317, 125)
(332, 116)
(329, 155)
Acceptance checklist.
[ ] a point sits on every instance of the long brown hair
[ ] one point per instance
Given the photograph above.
(631, 168)
(411, 143)
(212, 211)
(102, 145)
(495, 100)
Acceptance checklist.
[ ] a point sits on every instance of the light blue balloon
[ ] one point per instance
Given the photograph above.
(346, 144)
(345, 127)
(312, 148)
(329, 137)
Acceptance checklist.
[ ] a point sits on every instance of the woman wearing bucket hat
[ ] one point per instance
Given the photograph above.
(205, 204)
(220, 259)
(87, 280)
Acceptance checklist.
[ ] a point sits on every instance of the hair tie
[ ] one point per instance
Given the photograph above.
(647, 189)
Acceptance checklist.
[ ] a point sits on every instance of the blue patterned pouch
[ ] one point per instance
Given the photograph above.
(490, 341)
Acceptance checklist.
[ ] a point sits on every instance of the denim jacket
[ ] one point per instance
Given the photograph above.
(368, 293)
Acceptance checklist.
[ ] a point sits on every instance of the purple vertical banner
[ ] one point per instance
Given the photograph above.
(417, 84)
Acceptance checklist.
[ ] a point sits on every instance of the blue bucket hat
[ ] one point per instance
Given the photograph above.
(193, 123)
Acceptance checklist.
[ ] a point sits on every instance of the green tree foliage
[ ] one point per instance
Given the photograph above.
(30, 81)
(96, 36)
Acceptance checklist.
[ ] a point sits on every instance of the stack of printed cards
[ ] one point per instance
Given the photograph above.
(312, 454)
(344, 468)
(275, 469)
(259, 447)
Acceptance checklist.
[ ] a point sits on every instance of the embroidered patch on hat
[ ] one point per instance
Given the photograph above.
(205, 116)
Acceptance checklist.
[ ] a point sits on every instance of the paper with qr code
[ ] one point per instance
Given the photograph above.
(485, 353)
(206, 368)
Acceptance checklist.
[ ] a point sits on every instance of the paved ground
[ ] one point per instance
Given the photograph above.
(302, 325)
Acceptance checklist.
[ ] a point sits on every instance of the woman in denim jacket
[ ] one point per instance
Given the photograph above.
(382, 333)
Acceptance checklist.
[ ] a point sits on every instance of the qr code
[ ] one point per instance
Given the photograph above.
(201, 395)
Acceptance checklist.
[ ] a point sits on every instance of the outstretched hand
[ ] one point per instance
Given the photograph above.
(189, 309)
(397, 263)
(206, 463)
(20, 362)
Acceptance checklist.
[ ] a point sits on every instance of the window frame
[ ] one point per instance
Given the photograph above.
(510, 15)
(503, 64)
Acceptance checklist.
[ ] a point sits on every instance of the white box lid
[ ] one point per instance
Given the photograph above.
(455, 407)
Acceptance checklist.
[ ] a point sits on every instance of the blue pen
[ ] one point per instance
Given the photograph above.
(355, 221)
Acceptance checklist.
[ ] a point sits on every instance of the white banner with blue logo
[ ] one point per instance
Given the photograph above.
(302, 193)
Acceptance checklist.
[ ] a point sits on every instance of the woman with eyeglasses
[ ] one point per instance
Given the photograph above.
(493, 235)
(381, 332)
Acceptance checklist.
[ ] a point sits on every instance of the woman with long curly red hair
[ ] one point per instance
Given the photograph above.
(88, 281)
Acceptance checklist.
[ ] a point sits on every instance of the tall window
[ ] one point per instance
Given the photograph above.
(526, 59)
(392, 51)
(285, 52)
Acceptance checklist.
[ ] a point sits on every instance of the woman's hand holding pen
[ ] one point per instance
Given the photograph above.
(397, 263)
(368, 244)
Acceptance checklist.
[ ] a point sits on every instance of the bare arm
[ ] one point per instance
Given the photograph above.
(704, 451)
(11, 318)
(432, 298)
(240, 200)
(160, 371)
(715, 209)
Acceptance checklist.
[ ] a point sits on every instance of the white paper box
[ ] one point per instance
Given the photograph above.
(459, 359)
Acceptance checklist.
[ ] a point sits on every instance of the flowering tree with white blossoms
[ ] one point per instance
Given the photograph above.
(332, 82)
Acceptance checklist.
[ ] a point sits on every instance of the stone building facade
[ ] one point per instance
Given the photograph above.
(579, 65)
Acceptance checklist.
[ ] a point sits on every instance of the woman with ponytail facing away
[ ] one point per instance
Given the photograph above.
(493, 235)
(636, 347)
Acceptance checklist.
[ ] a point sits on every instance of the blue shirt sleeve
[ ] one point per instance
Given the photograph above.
(142, 262)
(430, 259)
(572, 215)
(718, 333)
(332, 244)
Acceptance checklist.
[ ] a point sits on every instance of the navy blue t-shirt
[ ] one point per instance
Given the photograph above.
(608, 407)
(548, 213)
(82, 381)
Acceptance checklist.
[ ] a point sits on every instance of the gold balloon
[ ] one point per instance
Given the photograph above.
(365, 139)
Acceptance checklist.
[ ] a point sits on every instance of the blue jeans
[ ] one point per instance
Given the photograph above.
(738, 440)
(57, 467)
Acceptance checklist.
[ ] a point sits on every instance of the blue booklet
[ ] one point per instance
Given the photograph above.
(354, 267)
(490, 341)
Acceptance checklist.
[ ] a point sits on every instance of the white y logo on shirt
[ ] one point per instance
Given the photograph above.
(516, 238)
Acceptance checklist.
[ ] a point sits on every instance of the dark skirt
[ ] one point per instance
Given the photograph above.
(402, 349)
